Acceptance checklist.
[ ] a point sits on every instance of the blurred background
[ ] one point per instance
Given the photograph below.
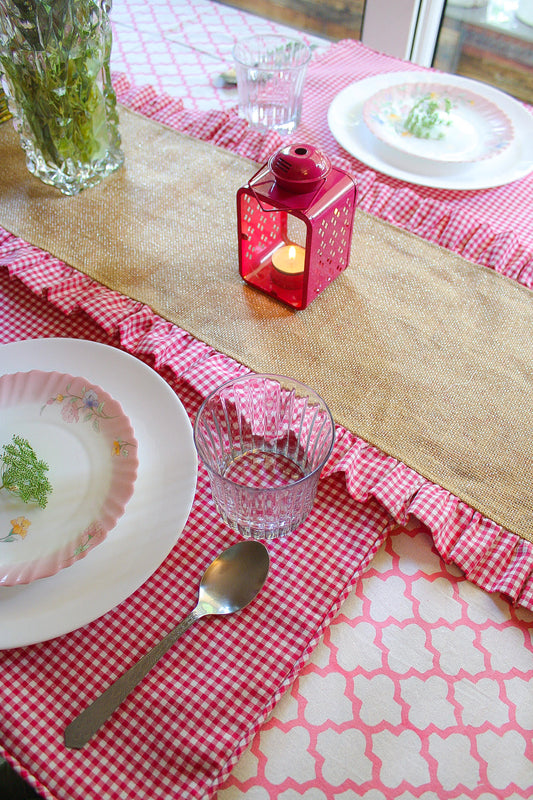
(489, 40)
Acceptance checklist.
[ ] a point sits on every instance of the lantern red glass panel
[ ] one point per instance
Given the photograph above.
(295, 221)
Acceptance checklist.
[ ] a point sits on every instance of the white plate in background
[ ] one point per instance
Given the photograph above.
(468, 126)
(345, 118)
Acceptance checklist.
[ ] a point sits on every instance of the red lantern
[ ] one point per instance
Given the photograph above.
(295, 221)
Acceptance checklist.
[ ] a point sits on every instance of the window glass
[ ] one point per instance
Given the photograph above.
(490, 41)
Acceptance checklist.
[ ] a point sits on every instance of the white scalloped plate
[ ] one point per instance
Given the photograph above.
(88, 442)
(473, 129)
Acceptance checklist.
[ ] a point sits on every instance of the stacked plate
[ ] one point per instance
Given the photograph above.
(70, 446)
(434, 129)
(121, 466)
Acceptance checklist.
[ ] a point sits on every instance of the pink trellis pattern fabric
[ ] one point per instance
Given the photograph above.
(419, 688)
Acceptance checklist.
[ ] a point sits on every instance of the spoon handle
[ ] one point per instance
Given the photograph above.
(85, 725)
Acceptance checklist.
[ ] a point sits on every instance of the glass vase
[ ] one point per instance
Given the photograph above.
(5, 113)
(54, 55)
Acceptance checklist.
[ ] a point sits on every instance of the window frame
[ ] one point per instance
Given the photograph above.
(412, 28)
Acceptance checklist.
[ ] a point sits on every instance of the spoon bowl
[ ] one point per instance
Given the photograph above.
(233, 579)
(229, 584)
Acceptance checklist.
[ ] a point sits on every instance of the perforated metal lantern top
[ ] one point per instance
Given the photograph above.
(295, 221)
(299, 168)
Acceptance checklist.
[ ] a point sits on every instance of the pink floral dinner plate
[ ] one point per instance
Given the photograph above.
(89, 447)
(437, 122)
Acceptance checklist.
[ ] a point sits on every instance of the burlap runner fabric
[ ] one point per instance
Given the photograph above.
(417, 351)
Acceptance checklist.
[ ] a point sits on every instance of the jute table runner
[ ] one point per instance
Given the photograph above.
(416, 350)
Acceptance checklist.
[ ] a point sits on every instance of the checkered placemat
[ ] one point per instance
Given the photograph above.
(491, 227)
(181, 731)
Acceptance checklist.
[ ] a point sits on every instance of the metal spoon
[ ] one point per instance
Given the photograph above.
(229, 583)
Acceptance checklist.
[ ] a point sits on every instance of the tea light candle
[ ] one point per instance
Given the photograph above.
(289, 259)
(288, 263)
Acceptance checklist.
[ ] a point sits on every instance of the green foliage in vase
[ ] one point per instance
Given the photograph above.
(52, 53)
(23, 474)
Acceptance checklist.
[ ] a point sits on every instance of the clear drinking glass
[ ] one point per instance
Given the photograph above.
(264, 440)
(55, 58)
(270, 78)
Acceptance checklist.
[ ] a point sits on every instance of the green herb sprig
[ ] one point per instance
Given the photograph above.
(426, 117)
(23, 474)
(52, 53)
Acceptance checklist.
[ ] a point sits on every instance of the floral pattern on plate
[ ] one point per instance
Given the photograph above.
(89, 444)
(87, 406)
(19, 527)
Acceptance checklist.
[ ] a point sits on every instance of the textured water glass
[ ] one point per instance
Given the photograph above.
(55, 59)
(264, 440)
(270, 78)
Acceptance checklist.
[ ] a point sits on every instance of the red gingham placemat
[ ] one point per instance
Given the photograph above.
(491, 227)
(462, 221)
(189, 720)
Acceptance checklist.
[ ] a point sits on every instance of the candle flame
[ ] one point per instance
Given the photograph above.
(292, 253)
